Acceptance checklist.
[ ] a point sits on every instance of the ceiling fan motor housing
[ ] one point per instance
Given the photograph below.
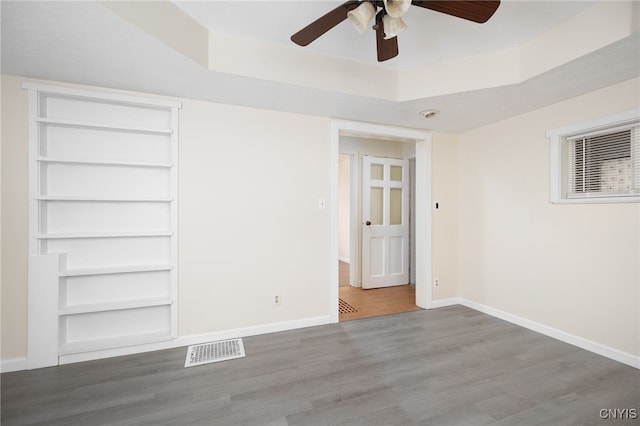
(361, 12)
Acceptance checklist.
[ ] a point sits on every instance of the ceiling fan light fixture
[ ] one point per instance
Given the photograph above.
(362, 16)
(361, 13)
(392, 26)
(396, 8)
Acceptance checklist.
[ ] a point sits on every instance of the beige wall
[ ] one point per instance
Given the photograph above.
(250, 227)
(444, 222)
(14, 219)
(571, 267)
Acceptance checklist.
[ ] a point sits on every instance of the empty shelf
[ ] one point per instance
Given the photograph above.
(114, 270)
(75, 235)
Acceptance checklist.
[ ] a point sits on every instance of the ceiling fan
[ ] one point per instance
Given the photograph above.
(388, 20)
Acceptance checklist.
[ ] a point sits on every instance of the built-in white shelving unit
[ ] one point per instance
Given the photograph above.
(103, 198)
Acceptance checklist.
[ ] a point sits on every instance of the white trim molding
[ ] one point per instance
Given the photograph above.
(13, 364)
(563, 336)
(442, 303)
(99, 95)
(17, 364)
(195, 339)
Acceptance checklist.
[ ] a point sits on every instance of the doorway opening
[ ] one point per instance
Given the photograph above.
(422, 223)
(383, 258)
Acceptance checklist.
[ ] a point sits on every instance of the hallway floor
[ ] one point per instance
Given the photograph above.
(378, 301)
(373, 302)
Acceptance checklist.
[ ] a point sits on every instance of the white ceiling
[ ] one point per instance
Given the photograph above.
(86, 43)
(430, 36)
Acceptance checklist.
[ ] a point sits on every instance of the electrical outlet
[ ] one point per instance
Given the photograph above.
(276, 300)
(436, 283)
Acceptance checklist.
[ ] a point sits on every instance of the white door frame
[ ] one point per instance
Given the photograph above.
(422, 140)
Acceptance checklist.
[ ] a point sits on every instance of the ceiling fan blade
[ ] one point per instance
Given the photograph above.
(323, 24)
(387, 49)
(477, 11)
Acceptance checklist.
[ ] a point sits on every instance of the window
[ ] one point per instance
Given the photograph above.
(598, 161)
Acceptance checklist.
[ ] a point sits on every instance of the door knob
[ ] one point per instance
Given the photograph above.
(368, 223)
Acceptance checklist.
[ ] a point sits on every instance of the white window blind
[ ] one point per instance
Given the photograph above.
(604, 163)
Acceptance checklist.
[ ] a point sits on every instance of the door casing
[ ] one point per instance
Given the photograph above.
(422, 140)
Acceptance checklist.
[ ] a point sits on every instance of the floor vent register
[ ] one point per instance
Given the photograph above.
(207, 353)
(345, 308)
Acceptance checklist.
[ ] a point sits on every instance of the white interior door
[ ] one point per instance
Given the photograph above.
(385, 222)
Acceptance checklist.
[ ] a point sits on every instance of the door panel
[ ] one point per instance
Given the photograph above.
(376, 257)
(385, 230)
(396, 256)
(377, 208)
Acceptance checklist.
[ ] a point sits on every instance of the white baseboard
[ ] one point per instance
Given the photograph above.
(344, 259)
(17, 364)
(14, 364)
(252, 331)
(589, 345)
(195, 339)
(441, 303)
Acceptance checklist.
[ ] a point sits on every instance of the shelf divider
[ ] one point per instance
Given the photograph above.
(114, 306)
(104, 162)
(124, 269)
(75, 123)
(103, 198)
(77, 235)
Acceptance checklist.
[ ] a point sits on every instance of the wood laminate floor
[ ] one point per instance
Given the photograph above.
(373, 302)
(446, 366)
(378, 301)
